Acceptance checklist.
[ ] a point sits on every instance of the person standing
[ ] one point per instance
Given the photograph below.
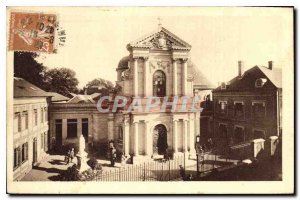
(113, 157)
(67, 157)
(72, 154)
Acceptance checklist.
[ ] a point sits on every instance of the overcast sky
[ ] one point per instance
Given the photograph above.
(97, 37)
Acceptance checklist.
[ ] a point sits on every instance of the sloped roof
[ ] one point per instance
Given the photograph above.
(247, 81)
(146, 40)
(58, 97)
(80, 98)
(23, 88)
(200, 81)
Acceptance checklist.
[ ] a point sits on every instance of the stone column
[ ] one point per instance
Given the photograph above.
(64, 130)
(135, 77)
(146, 77)
(79, 127)
(136, 138)
(184, 83)
(273, 144)
(148, 141)
(110, 124)
(185, 139)
(126, 137)
(192, 138)
(258, 147)
(175, 136)
(174, 77)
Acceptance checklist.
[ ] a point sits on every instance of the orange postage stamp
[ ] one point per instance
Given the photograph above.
(33, 32)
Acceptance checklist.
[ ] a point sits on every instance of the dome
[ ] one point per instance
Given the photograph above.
(200, 80)
(123, 63)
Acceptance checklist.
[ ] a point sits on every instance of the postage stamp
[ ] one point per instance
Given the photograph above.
(33, 32)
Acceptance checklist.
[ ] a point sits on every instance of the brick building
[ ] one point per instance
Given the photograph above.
(249, 106)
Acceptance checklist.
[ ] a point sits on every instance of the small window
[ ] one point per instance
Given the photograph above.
(239, 109)
(259, 109)
(223, 107)
(24, 152)
(42, 115)
(239, 134)
(260, 82)
(17, 157)
(223, 86)
(35, 117)
(19, 121)
(25, 114)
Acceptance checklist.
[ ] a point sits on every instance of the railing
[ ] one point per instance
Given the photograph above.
(161, 170)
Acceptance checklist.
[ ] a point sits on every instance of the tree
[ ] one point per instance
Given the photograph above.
(101, 83)
(61, 80)
(26, 67)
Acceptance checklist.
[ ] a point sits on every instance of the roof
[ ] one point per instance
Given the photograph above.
(57, 97)
(247, 80)
(200, 81)
(80, 98)
(159, 39)
(23, 88)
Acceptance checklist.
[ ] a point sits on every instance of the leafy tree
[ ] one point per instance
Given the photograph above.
(61, 80)
(26, 67)
(100, 82)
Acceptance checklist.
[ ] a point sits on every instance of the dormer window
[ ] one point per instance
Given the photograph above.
(223, 86)
(260, 82)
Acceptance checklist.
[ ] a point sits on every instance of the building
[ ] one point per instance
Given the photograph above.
(30, 126)
(158, 65)
(249, 106)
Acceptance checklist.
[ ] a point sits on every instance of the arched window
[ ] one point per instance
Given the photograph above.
(159, 84)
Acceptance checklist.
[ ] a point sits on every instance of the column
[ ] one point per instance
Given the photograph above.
(64, 130)
(175, 136)
(174, 77)
(136, 138)
(185, 139)
(135, 77)
(126, 137)
(192, 136)
(90, 129)
(184, 77)
(110, 124)
(146, 75)
(79, 127)
(148, 141)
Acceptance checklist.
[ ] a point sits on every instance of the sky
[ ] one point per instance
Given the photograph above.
(96, 37)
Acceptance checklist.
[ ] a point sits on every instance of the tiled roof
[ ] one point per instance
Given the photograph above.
(247, 80)
(58, 97)
(23, 88)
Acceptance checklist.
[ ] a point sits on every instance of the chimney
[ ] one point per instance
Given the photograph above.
(270, 66)
(241, 68)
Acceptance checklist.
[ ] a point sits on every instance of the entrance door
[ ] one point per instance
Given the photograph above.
(160, 142)
(34, 148)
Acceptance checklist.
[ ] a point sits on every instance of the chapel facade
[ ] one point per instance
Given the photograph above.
(158, 65)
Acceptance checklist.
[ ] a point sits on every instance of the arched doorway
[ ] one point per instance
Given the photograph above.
(160, 139)
(159, 84)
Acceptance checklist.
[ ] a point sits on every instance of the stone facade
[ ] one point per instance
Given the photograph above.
(30, 133)
(157, 65)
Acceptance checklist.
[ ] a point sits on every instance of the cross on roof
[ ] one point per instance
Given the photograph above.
(159, 21)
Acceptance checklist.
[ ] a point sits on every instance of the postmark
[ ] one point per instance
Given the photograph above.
(34, 32)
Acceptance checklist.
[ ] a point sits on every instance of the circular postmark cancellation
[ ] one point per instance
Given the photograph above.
(33, 32)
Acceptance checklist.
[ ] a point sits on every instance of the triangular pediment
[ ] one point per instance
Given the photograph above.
(160, 39)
